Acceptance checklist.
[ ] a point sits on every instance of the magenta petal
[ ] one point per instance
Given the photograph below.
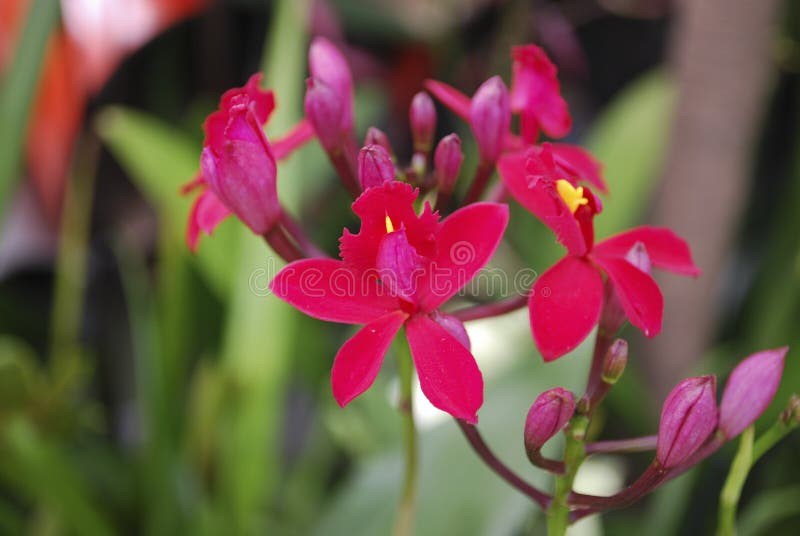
(450, 97)
(292, 140)
(688, 417)
(448, 374)
(638, 292)
(530, 177)
(579, 164)
(328, 290)
(467, 240)
(207, 212)
(666, 249)
(565, 305)
(358, 361)
(750, 389)
(454, 326)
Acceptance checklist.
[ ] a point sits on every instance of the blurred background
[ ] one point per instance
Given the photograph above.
(145, 390)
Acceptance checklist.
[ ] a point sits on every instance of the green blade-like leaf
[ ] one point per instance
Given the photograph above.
(19, 87)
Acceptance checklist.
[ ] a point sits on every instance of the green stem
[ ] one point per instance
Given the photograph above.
(729, 498)
(574, 454)
(72, 261)
(404, 522)
(768, 439)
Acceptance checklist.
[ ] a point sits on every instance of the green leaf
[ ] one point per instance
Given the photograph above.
(160, 159)
(629, 139)
(38, 469)
(19, 88)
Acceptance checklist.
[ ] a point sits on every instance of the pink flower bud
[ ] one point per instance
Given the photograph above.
(615, 360)
(422, 115)
(376, 136)
(324, 110)
(749, 390)
(374, 166)
(447, 162)
(549, 413)
(237, 161)
(688, 417)
(490, 117)
(327, 64)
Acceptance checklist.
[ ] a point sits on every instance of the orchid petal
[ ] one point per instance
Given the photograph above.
(637, 291)
(448, 374)
(565, 304)
(358, 361)
(467, 240)
(450, 97)
(329, 290)
(666, 249)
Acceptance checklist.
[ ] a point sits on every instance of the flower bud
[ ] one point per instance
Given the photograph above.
(614, 362)
(688, 417)
(549, 413)
(422, 115)
(237, 162)
(447, 162)
(749, 390)
(792, 412)
(324, 110)
(490, 117)
(327, 64)
(374, 166)
(376, 136)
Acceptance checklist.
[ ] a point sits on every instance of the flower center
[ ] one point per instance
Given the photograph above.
(572, 196)
(390, 226)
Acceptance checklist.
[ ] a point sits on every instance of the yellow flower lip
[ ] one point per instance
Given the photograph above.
(572, 196)
(389, 225)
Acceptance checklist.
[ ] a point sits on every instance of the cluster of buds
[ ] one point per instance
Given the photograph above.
(407, 261)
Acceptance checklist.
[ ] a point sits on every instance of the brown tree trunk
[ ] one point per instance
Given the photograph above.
(723, 66)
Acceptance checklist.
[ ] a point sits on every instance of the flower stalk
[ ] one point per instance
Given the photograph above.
(574, 454)
(404, 520)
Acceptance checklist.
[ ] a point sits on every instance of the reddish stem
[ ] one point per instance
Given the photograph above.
(280, 242)
(635, 444)
(293, 229)
(487, 310)
(482, 175)
(488, 457)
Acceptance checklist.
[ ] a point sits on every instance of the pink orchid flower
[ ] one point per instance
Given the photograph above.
(535, 96)
(566, 301)
(396, 272)
(238, 165)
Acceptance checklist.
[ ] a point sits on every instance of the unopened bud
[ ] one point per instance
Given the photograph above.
(324, 109)
(749, 390)
(549, 413)
(376, 136)
(490, 117)
(615, 360)
(374, 166)
(329, 65)
(422, 116)
(688, 417)
(791, 415)
(447, 162)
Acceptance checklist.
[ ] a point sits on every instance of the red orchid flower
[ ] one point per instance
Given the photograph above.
(565, 302)
(397, 271)
(238, 169)
(535, 96)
